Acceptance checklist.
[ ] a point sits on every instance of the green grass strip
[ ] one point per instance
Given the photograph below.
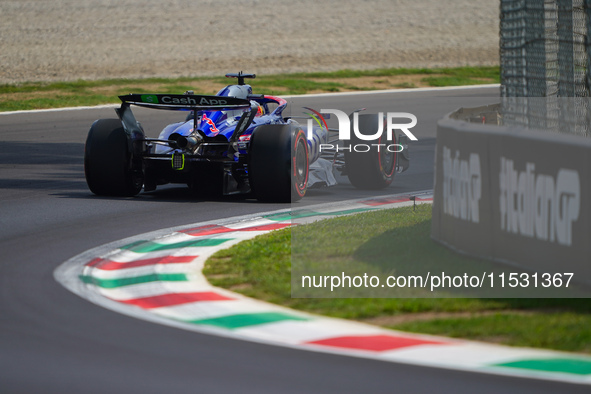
(567, 365)
(149, 246)
(120, 282)
(280, 217)
(395, 241)
(37, 95)
(247, 319)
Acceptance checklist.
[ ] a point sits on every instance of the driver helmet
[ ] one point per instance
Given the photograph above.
(238, 91)
(260, 109)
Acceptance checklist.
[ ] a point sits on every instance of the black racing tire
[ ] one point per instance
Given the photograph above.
(108, 161)
(278, 165)
(375, 168)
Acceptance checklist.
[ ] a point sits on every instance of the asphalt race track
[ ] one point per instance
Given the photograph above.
(52, 341)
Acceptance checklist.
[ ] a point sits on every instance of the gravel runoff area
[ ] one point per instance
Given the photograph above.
(49, 40)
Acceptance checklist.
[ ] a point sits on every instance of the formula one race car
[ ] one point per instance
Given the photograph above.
(233, 142)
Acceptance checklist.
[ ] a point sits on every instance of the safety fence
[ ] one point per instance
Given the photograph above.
(545, 52)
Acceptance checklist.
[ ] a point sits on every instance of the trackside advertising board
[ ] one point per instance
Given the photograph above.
(516, 196)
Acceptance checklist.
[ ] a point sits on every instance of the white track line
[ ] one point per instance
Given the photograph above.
(363, 93)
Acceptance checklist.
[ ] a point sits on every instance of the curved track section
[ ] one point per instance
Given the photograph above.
(53, 341)
(157, 277)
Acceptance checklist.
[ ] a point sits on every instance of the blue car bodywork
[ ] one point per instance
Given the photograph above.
(211, 150)
(235, 142)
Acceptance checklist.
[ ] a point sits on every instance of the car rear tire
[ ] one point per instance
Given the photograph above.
(375, 168)
(108, 161)
(278, 165)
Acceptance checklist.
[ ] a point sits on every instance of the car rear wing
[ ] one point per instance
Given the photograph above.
(185, 102)
(175, 102)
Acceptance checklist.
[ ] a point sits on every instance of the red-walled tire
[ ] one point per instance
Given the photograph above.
(278, 165)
